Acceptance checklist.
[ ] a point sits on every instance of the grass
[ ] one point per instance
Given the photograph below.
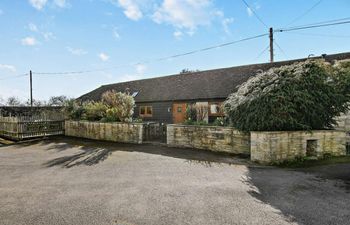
(311, 162)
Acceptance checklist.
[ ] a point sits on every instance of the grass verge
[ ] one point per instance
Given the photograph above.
(311, 162)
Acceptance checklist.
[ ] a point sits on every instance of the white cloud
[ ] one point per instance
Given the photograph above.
(178, 34)
(8, 67)
(131, 9)
(225, 23)
(33, 27)
(48, 35)
(76, 51)
(116, 34)
(29, 41)
(140, 69)
(38, 4)
(61, 3)
(103, 56)
(249, 11)
(186, 14)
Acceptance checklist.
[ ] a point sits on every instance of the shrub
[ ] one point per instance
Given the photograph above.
(220, 121)
(191, 113)
(73, 110)
(303, 96)
(120, 106)
(94, 111)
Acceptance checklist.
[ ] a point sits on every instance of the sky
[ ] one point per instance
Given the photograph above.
(121, 40)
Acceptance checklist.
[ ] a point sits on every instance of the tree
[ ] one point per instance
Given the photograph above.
(58, 100)
(186, 71)
(36, 103)
(13, 101)
(303, 96)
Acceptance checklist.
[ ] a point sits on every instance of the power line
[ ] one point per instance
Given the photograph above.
(321, 35)
(318, 23)
(262, 52)
(305, 13)
(280, 48)
(14, 77)
(255, 14)
(156, 60)
(311, 26)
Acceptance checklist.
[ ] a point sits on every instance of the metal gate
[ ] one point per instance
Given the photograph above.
(155, 132)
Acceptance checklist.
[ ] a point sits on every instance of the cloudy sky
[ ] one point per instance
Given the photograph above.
(122, 40)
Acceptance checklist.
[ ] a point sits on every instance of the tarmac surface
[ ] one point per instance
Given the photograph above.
(77, 181)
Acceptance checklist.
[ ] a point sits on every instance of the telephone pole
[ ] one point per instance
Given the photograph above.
(31, 88)
(271, 44)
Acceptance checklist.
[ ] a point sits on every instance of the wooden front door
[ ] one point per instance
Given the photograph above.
(179, 112)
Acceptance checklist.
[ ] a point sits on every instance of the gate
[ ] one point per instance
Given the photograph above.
(24, 127)
(155, 132)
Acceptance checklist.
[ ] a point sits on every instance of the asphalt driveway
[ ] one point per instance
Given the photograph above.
(75, 181)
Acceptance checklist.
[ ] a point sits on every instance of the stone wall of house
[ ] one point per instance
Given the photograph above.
(117, 132)
(219, 139)
(267, 147)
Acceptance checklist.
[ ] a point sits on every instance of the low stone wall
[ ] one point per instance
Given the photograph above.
(267, 147)
(219, 139)
(117, 132)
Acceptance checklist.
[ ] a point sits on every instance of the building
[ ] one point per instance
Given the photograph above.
(164, 99)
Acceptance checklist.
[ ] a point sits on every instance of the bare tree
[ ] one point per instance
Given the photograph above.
(13, 101)
(186, 71)
(58, 100)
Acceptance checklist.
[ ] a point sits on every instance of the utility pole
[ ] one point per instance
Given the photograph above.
(31, 88)
(271, 44)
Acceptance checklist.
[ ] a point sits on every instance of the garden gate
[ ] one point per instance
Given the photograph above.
(155, 132)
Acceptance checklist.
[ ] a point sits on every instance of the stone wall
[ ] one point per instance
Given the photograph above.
(117, 132)
(267, 147)
(219, 139)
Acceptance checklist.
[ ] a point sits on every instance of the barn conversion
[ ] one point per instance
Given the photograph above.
(164, 99)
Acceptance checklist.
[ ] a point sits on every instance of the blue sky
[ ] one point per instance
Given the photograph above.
(75, 35)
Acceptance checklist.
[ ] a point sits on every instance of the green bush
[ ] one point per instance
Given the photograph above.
(73, 110)
(94, 111)
(303, 96)
(191, 112)
(220, 121)
(197, 123)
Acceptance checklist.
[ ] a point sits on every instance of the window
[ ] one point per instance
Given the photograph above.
(311, 148)
(134, 94)
(179, 109)
(215, 108)
(146, 111)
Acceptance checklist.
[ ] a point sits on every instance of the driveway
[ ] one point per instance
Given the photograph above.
(75, 181)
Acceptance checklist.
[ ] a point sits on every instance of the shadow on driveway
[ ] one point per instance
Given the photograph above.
(317, 195)
(92, 152)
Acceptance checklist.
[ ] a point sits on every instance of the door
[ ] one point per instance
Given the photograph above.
(179, 112)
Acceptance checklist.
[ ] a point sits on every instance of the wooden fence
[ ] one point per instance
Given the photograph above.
(23, 127)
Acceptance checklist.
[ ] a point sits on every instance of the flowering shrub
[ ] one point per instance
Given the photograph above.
(120, 106)
(303, 96)
(113, 107)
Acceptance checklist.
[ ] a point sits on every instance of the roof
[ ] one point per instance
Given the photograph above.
(210, 84)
